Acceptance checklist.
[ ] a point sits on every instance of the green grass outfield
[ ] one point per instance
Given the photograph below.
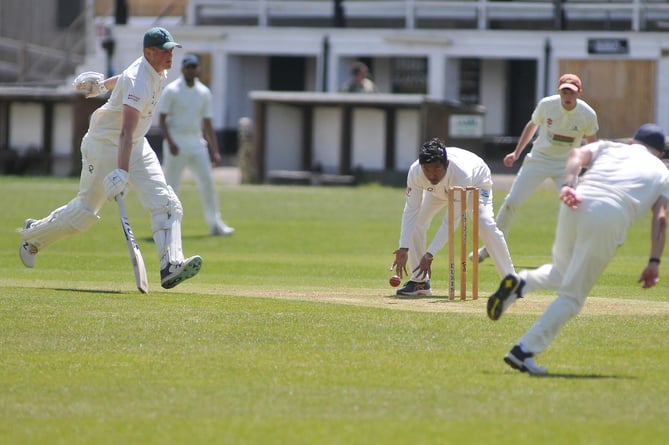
(291, 335)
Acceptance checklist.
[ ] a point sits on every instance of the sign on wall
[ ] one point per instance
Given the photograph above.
(608, 46)
(465, 126)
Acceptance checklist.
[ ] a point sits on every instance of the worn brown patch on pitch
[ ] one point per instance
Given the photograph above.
(535, 304)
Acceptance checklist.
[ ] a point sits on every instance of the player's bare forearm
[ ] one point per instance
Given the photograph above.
(658, 227)
(523, 140)
(130, 120)
(164, 128)
(110, 82)
(210, 136)
(578, 159)
(650, 276)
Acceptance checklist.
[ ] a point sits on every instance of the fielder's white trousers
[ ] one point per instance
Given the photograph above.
(535, 170)
(585, 242)
(197, 159)
(491, 236)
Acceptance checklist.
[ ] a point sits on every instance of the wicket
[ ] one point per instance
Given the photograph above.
(464, 192)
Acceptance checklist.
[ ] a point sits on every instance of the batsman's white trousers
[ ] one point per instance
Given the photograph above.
(146, 175)
(99, 158)
(535, 170)
(492, 237)
(585, 242)
(197, 159)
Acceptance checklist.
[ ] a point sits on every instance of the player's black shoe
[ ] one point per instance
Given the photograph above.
(415, 289)
(174, 274)
(509, 291)
(523, 361)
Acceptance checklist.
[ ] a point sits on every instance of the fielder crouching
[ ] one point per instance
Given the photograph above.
(114, 152)
(437, 169)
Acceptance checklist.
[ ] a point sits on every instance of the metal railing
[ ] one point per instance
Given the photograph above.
(633, 15)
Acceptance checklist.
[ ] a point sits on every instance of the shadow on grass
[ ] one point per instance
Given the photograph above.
(204, 236)
(408, 297)
(583, 376)
(88, 291)
(435, 298)
(573, 376)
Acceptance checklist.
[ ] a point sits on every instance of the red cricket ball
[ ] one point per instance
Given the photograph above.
(395, 281)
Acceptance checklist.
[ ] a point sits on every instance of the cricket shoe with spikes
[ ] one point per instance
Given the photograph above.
(175, 273)
(523, 361)
(510, 289)
(415, 289)
(28, 252)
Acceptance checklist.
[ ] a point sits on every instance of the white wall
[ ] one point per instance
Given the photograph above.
(26, 126)
(493, 92)
(238, 52)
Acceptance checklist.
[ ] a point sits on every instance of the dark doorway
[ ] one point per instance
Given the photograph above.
(522, 90)
(287, 73)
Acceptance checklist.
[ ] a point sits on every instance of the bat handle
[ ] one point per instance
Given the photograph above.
(121, 205)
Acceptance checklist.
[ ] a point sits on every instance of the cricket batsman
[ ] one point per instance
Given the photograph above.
(115, 152)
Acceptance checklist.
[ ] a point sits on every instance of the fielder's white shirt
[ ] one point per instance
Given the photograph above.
(139, 87)
(560, 130)
(626, 176)
(185, 108)
(464, 169)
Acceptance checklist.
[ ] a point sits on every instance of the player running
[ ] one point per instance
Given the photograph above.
(563, 120)
(114, 152)
(622, 182)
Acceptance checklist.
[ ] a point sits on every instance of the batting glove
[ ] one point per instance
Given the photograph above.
(116, 183)
(90, 83)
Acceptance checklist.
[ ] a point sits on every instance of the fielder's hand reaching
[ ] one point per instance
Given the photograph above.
(569, 197)
(425, 267)
(400, 263)
(650, 275)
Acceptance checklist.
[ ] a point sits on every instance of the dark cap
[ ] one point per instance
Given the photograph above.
(190, 59)
(651, 135)
(159, 38)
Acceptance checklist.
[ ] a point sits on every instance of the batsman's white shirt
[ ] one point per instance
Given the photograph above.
(621, 184)
(424, 200)
(139, 87)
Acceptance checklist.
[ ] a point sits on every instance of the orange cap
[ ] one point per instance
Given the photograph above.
(571, 81)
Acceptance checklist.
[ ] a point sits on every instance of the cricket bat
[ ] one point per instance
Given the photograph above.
(133, 249)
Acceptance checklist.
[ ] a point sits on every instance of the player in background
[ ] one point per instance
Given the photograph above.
(622, 182)
(115, 152)
(437, 169)
(185, 117)
(563, 120)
